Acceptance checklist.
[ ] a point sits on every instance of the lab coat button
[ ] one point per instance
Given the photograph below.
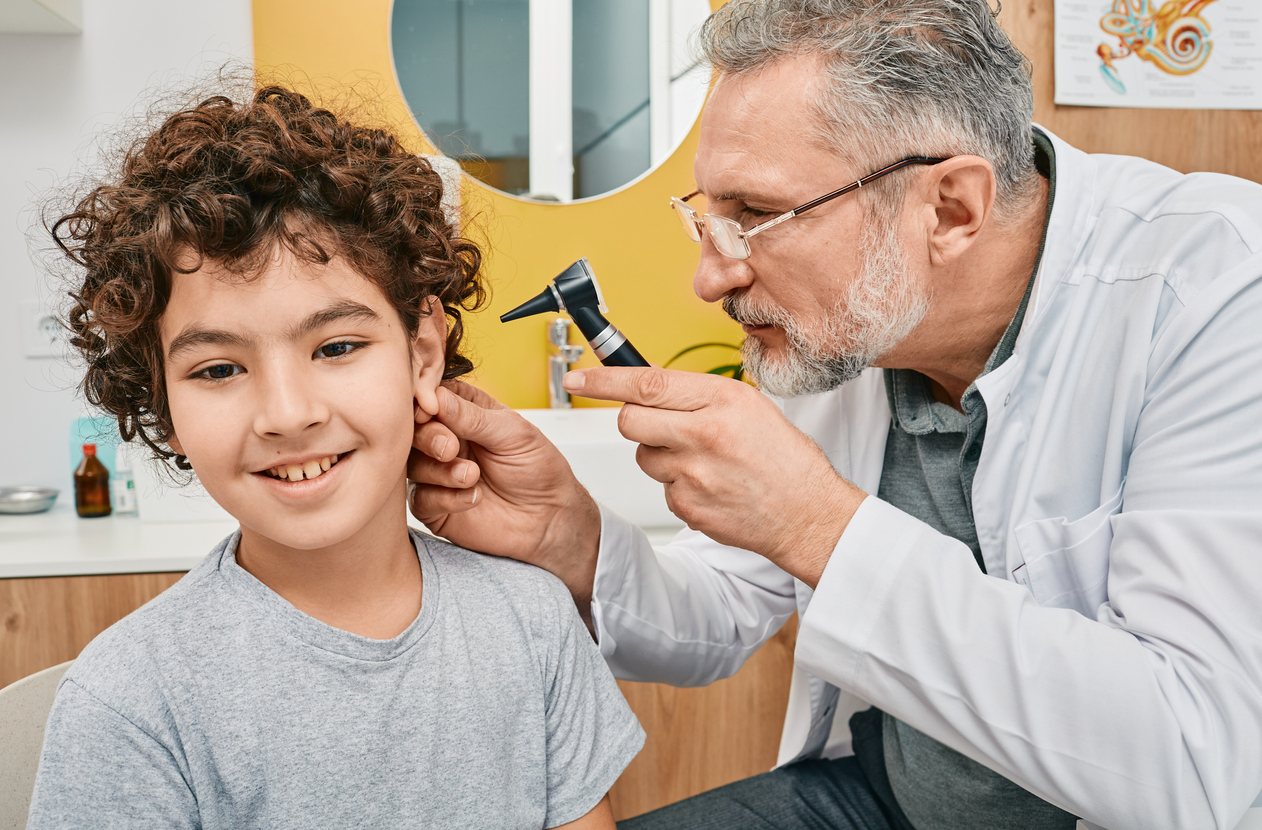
(1007, 398)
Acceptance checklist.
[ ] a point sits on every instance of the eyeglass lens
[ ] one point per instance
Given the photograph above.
(688, 218)
(727, 236)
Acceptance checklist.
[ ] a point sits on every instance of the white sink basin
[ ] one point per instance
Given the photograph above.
(604, 462)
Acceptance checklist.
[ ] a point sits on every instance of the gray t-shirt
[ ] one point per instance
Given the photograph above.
(220, 705)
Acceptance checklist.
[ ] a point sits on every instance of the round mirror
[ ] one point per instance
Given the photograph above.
(551, 100)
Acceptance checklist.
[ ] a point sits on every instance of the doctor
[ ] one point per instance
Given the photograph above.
(1010, 472)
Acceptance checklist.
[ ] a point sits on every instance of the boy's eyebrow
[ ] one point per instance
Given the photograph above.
(193, 336)
(345, 310)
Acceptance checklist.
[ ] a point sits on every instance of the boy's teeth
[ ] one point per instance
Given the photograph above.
(311, 469)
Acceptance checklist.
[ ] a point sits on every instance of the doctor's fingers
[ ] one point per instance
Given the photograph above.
(659, 464)
(436, 440)
(651, 386)
(498, 429)
(472, 394)
(434, 505)
(457, 473)
(700, 431)
(683, 471)
(688, 486)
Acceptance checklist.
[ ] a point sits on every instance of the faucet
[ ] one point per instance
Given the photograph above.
(560, 360)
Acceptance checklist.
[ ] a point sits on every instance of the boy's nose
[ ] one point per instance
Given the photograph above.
(288, 404)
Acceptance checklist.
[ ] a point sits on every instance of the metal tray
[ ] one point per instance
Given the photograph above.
(26, 499)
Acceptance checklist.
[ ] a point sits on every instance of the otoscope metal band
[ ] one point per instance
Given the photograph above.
(557, 296)
(607, 342)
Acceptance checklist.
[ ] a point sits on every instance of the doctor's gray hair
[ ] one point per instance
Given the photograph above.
(900, 78)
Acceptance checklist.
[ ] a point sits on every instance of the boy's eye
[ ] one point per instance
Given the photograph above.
(336, 349)
(220, 371)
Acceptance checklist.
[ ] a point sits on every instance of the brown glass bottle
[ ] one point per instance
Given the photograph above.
(91, 485)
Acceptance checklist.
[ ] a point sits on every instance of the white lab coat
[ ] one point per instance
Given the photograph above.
(1111, 661)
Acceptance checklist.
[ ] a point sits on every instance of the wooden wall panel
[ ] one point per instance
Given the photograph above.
(48, 621)
(1221, 141)
(699, 739)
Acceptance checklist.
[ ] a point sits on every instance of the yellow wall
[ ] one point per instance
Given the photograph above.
(631, 238)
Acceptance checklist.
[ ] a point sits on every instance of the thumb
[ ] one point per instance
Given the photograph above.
(500, 429)
(473, 394)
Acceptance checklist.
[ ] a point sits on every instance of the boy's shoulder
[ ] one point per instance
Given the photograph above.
(126, 660)
(181, 608)
(498, 592)
(463, 571)
(461, 565)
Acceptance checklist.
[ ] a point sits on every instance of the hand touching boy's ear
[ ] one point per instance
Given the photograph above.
(429, 351)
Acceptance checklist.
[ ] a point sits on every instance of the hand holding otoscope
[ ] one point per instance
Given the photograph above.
(576, 292)
(495, 484)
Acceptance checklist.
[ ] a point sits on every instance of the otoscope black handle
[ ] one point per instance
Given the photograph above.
(610, 345)
(624, 355)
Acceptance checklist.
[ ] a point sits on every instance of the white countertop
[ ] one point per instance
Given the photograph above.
(59, 543)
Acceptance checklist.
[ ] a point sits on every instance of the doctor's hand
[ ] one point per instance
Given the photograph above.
(733, 466)
(487, 479)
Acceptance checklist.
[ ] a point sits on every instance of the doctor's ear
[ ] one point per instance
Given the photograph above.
(961, 192)
(429, 358)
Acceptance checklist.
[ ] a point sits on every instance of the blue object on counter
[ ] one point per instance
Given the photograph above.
(100, 431)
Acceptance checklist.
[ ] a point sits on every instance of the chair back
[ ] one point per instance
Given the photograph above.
(24, 708)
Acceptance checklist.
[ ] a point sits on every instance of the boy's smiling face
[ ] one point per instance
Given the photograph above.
(305, 368)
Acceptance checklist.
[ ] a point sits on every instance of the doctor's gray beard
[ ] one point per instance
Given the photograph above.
(877, 311)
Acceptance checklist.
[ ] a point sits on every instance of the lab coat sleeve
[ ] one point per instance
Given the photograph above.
(688, 613)
(1147, 716)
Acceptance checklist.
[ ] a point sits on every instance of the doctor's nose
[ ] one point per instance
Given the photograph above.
(287, 405)
(717, 275)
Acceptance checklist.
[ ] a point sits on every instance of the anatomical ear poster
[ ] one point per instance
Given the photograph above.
(1167, 54)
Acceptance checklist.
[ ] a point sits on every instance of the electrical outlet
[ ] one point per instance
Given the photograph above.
(42, 334)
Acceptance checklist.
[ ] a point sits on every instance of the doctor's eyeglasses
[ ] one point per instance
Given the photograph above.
(732, 241)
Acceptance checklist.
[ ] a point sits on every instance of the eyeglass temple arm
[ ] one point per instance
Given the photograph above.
(797, 211)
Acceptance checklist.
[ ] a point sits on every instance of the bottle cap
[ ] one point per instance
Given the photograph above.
(89, 449)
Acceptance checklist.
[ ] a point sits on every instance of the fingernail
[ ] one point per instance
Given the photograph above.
(440, 444)
(464, 472)
(573, 381)
(452, 405)
(469, 496)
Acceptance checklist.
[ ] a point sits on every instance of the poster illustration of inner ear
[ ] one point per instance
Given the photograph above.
(1165, 54)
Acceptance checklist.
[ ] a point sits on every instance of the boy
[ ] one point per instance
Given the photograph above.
(273, 296)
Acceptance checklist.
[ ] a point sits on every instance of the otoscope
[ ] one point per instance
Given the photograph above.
(576, 292)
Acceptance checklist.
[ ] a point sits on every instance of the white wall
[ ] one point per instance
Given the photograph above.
(56, 93)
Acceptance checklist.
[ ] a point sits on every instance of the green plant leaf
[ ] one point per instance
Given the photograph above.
(700, 346)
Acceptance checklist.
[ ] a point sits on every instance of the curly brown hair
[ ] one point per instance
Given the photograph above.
(229, 182)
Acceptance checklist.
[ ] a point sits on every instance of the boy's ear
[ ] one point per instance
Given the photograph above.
(429, 354)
